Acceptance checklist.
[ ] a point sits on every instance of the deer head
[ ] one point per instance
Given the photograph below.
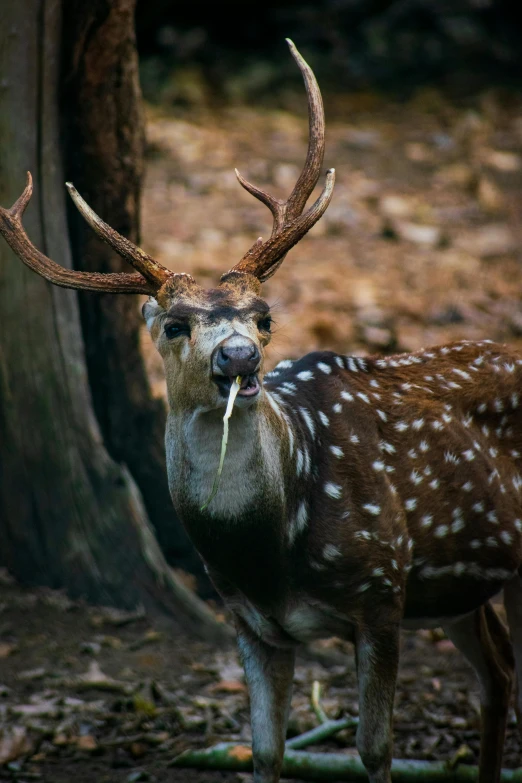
(206, 337)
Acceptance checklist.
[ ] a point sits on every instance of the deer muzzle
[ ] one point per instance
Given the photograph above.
(237, 356)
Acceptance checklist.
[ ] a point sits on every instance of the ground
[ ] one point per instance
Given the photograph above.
(90, 694)
(419, 246)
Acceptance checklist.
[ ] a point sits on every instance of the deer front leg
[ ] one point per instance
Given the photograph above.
(269, 673)
(377, 655)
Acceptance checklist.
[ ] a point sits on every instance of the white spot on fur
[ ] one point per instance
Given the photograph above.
(324, 418)
(388, 447)
(300, 521)
(305, 375)
(331, 552)
(308, 420)
(337, 451)
(362, 588)
(372, 508)
(333, 490)
(324, 368)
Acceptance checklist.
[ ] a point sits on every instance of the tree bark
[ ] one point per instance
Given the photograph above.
(69, 515)
(104, 132)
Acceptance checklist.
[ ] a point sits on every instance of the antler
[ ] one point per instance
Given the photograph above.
(148, 280)
(264, 258)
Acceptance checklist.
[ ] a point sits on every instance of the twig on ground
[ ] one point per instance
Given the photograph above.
(95, 679)
(320, 733)
(315, 700)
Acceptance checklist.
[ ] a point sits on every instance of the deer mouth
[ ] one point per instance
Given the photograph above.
(249, 385)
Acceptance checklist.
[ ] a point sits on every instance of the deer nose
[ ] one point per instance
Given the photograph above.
(233, 360)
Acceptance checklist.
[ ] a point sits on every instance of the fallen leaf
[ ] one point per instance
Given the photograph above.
(228, 686)
(14, 742)
(86, 742)
(445, 646)
(240, 752)
(493, 239)
(502, 160)
(31, 674)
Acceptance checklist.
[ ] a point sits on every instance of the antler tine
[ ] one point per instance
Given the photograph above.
(276, 207)
(269, 256)
(315, 154)
(290, 225)
(149, 268)
(14, 233)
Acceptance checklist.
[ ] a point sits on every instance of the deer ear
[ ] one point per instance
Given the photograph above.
(150, 312)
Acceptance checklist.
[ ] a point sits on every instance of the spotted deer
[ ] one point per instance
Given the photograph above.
(358, 495)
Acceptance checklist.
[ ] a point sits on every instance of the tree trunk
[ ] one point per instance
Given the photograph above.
(104, 132)
(69, 515)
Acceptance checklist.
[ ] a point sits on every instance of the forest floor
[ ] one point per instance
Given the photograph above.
(419, 246)
(99, 696)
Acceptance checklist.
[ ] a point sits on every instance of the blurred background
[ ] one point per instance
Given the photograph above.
(424, 128)
(115, 650)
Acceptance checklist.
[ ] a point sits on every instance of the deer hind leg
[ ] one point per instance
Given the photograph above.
(269, 673)
(513, 604)
(484, 642)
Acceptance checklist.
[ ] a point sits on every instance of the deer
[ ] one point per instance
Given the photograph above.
(358, 495)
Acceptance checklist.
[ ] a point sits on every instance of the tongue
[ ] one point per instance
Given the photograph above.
(249, 385)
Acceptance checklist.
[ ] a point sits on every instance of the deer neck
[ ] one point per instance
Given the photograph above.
(253, 470)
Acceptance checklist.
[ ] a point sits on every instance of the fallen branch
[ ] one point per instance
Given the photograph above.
(320, 733)
(231, 757)
(95, 679)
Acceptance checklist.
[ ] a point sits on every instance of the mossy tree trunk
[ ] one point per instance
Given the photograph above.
(70, 515)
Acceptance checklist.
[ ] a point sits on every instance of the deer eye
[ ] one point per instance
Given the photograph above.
(265, 324)
(177, 330)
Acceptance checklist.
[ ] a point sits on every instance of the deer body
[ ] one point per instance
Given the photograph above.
(372, 481)
(357, 495)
